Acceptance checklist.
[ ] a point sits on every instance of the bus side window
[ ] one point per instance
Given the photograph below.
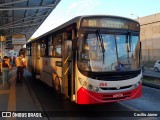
(68, 41)
(57, 46)
(50, 46)
(43, 48)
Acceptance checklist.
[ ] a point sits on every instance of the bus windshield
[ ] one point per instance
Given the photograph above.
(118, 53)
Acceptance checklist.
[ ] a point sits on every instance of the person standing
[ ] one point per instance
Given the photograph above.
(5, 70)
(0, 65)
(14, 59)
(20, 66)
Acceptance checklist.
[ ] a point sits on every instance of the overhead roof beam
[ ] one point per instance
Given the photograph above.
(26, 8)
(19, 32)
(19, 26)
(13, 2)
(6, 17)
(29, 21)
(24, 16)
(38, 11)
(27, 17)
(23, 31)
(3, 13)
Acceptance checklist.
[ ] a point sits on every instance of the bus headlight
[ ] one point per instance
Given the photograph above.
(88, 86)
(92, 88)
(136, 85)
(95, 89)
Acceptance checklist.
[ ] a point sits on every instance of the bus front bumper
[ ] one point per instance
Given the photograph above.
(88, 97)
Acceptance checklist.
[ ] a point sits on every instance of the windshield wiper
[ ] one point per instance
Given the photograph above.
(99, 37)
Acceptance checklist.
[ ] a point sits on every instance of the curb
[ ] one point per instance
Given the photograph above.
(35, 99)
(150, 76)
(32, 94)
(151, 85)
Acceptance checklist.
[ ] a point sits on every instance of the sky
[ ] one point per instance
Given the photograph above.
(68, 9)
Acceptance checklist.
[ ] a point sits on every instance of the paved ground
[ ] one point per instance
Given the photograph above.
(17, 97)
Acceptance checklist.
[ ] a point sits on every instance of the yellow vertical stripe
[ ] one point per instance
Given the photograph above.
(12, 98)
(4, 91)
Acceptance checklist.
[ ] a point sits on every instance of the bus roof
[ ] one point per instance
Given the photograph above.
(77, 20)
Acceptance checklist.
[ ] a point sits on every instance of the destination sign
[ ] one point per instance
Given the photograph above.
(116, 23)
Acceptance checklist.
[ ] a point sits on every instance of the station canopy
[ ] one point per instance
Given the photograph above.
(23, 17)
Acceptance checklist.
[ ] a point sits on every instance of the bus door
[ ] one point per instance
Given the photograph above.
(35, 58)
(68, 82)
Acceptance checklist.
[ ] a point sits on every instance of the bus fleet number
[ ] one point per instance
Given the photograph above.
(102, 84)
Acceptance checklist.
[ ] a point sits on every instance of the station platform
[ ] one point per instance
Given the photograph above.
(17, 96)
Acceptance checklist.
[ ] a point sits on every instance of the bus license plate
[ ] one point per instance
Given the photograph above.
(118, 95)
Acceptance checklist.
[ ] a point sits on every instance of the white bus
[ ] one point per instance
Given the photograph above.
(90, 59)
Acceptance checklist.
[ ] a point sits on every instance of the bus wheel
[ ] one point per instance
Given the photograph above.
(56, 84)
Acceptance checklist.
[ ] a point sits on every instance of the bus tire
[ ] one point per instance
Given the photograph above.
(56, 84)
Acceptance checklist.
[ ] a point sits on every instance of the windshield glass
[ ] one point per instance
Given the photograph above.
(109, 53)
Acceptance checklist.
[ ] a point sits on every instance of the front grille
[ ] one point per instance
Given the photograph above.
(110, 97)
(117, 77)
(114, 88)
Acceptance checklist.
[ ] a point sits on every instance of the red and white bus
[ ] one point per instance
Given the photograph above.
(90, 59)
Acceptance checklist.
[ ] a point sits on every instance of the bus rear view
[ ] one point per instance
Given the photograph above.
(108, 61)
